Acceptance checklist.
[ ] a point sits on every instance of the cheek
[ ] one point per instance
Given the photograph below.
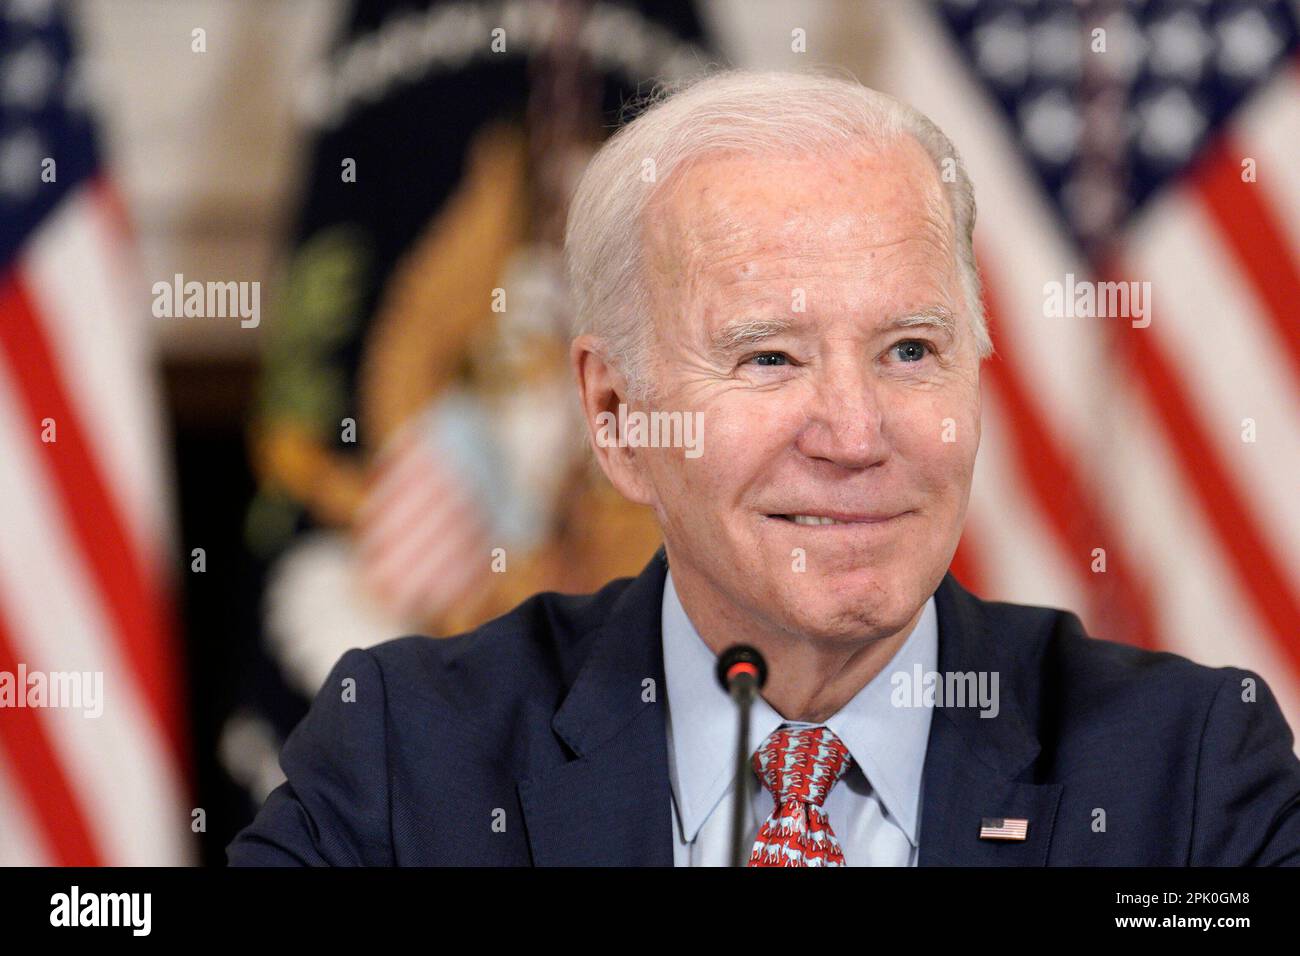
(939, 438)
(743, 438)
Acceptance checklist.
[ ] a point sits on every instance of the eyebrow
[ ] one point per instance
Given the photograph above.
(736, 335)
(936, 317)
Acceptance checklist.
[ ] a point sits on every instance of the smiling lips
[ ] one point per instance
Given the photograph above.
(836, 517)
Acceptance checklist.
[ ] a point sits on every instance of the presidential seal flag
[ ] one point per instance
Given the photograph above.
(418, 451)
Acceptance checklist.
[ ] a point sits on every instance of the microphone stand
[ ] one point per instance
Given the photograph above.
(742, 673)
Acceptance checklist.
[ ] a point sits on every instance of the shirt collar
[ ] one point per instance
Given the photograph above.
(886, 741)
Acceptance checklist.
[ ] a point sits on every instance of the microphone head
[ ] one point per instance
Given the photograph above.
(741, 659)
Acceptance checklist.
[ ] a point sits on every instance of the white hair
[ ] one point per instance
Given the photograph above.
(738, 112)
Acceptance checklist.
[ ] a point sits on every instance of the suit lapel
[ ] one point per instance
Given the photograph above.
(611, 805)
(979, 767)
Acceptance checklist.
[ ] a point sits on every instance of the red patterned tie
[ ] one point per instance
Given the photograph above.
(799, 766)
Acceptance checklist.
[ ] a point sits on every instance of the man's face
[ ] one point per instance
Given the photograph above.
(781, 291)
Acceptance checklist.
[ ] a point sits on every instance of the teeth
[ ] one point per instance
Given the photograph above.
(814, 519)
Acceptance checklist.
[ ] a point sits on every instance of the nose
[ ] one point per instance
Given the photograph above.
(845, 416)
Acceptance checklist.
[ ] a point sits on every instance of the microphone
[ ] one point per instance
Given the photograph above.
(742, 672)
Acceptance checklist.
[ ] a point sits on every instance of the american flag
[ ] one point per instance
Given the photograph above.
(997, 828)
(418, 521)
(1142, 473)
(83, 518)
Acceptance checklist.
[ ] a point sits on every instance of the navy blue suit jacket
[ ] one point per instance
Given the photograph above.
(536, 739)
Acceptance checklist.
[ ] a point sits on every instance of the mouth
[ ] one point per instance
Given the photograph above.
(820, 519)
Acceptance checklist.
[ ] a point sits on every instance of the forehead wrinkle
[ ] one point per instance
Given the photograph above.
(698, 246)
(721, 257)
(719, 288)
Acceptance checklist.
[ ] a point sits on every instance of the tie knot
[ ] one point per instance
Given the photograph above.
(801, 762)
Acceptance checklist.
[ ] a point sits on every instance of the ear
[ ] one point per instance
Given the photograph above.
(602, 388)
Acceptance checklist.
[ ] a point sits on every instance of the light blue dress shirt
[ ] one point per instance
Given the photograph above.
(874, 808)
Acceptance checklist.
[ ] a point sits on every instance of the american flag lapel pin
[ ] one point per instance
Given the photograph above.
(1003, 828)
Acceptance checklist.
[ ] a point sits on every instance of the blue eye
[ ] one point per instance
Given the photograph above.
(912, 350)
(762, 358)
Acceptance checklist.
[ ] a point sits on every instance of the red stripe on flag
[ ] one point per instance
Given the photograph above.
(49, 796)
(135, 608)
(1258, 570)
(1260, 248)
(1120, 606)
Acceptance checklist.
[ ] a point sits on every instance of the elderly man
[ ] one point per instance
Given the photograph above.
(787, 260)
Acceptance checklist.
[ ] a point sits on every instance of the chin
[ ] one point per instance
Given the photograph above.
(837, 613)
(853, 605)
